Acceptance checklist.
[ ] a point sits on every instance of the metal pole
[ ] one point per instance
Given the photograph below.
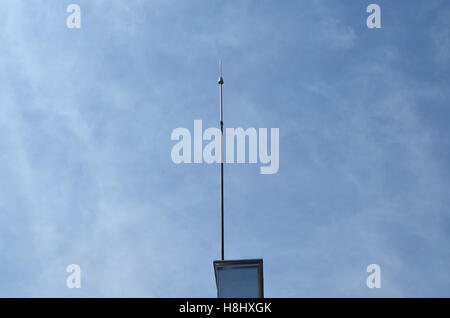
(221, 162)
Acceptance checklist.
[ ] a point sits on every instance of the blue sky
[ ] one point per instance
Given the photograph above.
(86, 175)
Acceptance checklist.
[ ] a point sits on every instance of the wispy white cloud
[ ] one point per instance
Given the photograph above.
(85, 170)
